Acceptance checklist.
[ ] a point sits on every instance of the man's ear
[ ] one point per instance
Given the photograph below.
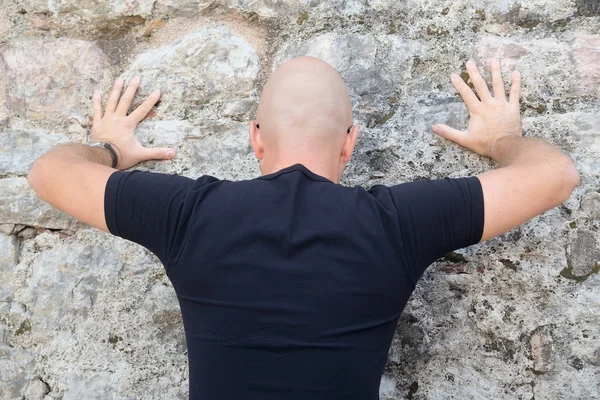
(256, 140)
(349, 143)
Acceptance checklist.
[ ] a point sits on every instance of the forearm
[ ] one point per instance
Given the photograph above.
(78, 152)
(60, 166)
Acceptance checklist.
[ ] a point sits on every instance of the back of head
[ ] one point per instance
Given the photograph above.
(305, 106)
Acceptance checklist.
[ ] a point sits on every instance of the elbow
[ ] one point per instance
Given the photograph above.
(35, 177)
(570, 178)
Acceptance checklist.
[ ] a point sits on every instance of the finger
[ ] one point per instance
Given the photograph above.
(497, 82)
(97, 106)
(140, 113)
(465, 91)
(452, 134)
(515, 88)
(128, 96)
(157, 153)
(113, 100)
(480, 86)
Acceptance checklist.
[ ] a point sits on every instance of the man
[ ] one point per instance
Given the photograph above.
(291, 285)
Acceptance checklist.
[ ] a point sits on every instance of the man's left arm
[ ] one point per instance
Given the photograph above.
(73, 177)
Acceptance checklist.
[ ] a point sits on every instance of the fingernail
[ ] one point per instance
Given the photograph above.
(136, 78)
(436, 129)
(119, 81)
(516, 74)
(170, 153)
(156, 93)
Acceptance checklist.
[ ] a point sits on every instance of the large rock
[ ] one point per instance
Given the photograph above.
(545, 64)
(197, 73)
(548, 66)
(20, 205)
(65, 282)
(52, 79)
(20, 148)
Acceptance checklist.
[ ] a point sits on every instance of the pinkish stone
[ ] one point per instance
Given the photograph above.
(51, 79)
(586, 54)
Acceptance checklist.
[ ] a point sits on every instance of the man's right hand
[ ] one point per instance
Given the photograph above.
(491, 117)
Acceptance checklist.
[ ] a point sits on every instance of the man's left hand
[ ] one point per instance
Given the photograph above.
(116, 127)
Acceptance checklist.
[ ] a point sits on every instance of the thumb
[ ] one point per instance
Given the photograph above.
(450, 133)
(158, 153)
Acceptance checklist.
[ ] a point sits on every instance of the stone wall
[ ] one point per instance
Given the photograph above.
(84, 315)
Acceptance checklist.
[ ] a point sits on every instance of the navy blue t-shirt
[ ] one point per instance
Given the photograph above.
(290, 285)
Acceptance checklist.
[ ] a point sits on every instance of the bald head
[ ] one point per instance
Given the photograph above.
(305, 102)
(304, 114)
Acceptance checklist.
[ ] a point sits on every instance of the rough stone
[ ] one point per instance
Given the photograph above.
(15, 372)
(52, 79)
(8, 259)
(587, 59)
(162, 303)
(530, 13)
(4, 335)
(266, 8)
(20, 148)
(588, 7)
(19, 204)
(202, 69)
(94, 387)
(17, 313)
(27, 233)
(584, 256)
(36, 390)
(541, 350)
(79, 271)
(387, 387)
(590, 204)
(7, 229)
(180, 8)
(546, 64)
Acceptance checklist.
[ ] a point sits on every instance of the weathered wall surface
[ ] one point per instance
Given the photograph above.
(87, 316)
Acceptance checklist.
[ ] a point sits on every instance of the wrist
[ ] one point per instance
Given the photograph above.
(500, 147)
(110, 149)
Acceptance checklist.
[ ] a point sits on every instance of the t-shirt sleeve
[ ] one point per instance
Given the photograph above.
(146, 208)
(436, 217)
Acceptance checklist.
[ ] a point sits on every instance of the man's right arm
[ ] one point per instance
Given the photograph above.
(534, 176)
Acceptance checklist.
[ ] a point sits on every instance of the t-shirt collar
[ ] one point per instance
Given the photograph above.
(297, 167)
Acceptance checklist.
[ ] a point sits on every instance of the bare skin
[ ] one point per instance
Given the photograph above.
(303, 117)
(304, 114)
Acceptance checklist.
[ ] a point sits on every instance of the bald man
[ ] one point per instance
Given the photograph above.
(290, 284)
